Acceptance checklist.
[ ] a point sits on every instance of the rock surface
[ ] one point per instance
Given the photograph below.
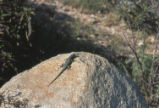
(91, 82)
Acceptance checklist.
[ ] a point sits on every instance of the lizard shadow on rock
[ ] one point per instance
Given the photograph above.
(52, 35)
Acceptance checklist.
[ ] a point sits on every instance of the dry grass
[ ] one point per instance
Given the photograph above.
(112, 19)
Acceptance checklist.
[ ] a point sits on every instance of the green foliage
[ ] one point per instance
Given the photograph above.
(143, 68)
(145, 76)
(140, 15)
(15, 29)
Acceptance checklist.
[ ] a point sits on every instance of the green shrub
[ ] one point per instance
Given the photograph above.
(144, 73)
(146, 77)
(143, 67)
(140, 15)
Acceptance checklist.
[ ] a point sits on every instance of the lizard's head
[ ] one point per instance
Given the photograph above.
(74, 56)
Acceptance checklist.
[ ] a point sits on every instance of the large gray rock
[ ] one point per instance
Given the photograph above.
(91, 82)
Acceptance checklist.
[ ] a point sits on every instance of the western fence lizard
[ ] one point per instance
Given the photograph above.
(65, 66)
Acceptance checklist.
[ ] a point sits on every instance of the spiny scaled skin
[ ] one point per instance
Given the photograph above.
(65, 66)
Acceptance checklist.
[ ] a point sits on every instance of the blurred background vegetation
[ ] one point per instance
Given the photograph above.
(15, 29)
(29, 35)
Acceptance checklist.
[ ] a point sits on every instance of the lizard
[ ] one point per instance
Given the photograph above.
(65, 66)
